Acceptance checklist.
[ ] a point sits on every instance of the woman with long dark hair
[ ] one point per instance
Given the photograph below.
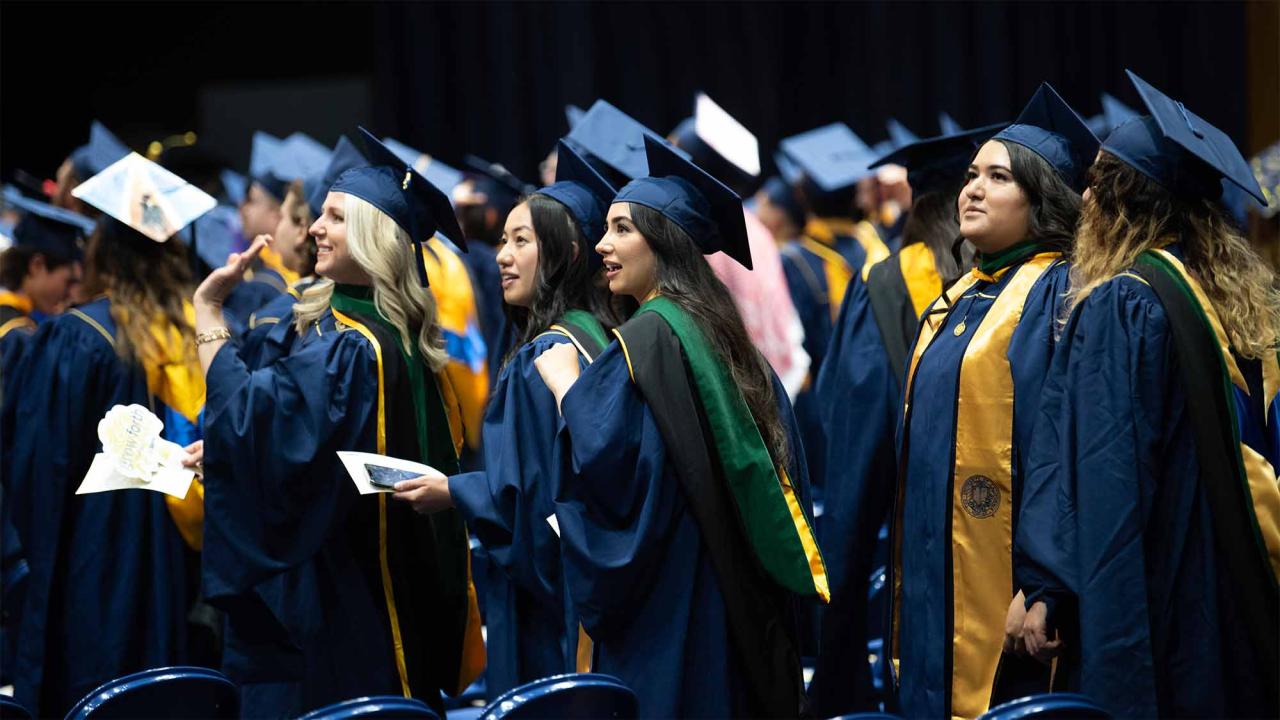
(859, 396)
(972, 383)
(331, 593)
(684, 534)
(1150, 539)
(85, 619)
(550, 285)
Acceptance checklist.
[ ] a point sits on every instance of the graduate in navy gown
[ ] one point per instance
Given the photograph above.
(39, 273)
(550, 274)
(838, 246)
(859, 394)
(292, 241)
(972, 386)
(1149, 546)
(108, 591)
(331, 594)
(684, 521)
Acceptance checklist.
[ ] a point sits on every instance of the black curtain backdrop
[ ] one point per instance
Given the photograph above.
(492, 78)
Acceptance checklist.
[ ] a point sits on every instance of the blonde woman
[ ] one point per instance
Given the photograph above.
(331, 594)
(1150, 531)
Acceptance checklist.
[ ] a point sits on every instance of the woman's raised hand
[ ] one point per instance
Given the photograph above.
(223, 280)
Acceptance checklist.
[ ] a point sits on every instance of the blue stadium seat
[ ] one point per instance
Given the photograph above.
(572, 697)
(1048, 706)
(869, 716)
(171, 692)
(473, 696)
(379, 706)
(11, 709)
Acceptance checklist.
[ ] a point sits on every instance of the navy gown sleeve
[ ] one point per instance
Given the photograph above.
(274, 487)
(1091, 473)
(507, 504)
(614, 506)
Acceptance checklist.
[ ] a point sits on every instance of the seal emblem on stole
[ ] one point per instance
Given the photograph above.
(980, 496)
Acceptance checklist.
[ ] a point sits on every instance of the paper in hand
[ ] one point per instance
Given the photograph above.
(135, 457)
(373, 473)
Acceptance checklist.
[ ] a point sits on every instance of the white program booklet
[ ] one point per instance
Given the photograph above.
(374, 473)
(135, 457)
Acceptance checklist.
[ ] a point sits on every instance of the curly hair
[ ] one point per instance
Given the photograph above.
(1128, 213)
(146, 281)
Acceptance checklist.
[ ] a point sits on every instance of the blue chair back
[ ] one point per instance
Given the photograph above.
(11, 709)
(171, 692)
(1048, 706)
(378, 706)
(572, 697)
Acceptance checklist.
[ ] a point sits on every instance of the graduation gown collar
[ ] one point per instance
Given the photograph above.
(992, 265)
(21, 303)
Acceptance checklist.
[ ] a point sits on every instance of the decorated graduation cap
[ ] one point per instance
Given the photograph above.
(688, 196)
(1049, 128)
(613, 138)
(718, 143)
(501, 188)
(409, 199)
(938, 163)
(46, 228)
(584, 192)
(948, 125)
(344, 157)
(1179, 149)
(99, 153)
(1114, 114)
(145, 197)
(831, 158)
(442, 176)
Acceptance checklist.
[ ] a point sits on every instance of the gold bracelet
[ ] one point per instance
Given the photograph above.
(208, 336)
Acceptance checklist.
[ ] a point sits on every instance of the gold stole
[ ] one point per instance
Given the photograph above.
(982, 487)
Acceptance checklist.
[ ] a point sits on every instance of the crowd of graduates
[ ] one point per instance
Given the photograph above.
(997, 403)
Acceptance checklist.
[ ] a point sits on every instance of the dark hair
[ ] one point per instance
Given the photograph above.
(840, 203)
(295, 199)
(15, 263)
(564, 281)
(932, 222)
(1055, 207)
(147, 280)
(685, 277)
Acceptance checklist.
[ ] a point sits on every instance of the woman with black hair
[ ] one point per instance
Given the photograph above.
(108, 590)
(972, 383)
(683, 524)
(859, 395)
(552, 295)
(1150, 539)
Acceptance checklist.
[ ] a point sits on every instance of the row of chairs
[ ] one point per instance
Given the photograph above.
(194, 692)
(1049, 706)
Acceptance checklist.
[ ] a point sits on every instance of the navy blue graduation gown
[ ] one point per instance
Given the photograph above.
(106, 594)
(1116, 532)
(860, 404)
(638, 572)
(928, 614)
(301, 627)
(506, 507)
(252, 295)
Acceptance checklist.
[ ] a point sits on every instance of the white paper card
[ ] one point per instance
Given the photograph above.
(555, 524)
(135, 457)
(357, 464)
